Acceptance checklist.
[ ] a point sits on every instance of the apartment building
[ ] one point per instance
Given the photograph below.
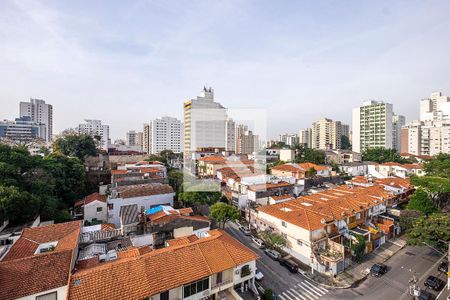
(95, 128)
(326, 134)
(211, 266)
(23, 130)
(305, 137)
(230, 135)
(398, 122)
(427, 138)
(246, 141)
(436, 107)
(163, 134)
(372, 126)
(320, 228)
(289, 139)
(40, 113)
(134, 138)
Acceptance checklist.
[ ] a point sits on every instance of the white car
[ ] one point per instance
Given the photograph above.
(258, 242)
(258, 275)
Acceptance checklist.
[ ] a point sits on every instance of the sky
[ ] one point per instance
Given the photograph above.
(128, 62)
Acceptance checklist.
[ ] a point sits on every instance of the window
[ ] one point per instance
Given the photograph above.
(196, 287)
(49, 296)
(283, 223)
(99, 209)
(300, 243)
(245, 271)
(164, 295)
(219, 278)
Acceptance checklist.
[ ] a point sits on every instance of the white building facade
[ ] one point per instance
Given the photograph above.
(40, 113)
(164, 133)
(96, 128)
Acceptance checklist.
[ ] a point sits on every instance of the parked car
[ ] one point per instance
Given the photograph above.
(275, 255)
(424, 295)
(434, 283)
(259, 275)
(245, 230)
(258, 242)
(289, 264)
(378, 269)
(443, 267)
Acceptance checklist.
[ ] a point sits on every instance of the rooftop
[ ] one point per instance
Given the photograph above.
(140, 190)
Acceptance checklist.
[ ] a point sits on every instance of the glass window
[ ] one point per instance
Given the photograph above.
(219, 278)
(49, 296)
(164, 295)
(99, 209)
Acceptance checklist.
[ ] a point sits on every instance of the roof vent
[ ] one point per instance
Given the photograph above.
(77, 282)
(305, 204)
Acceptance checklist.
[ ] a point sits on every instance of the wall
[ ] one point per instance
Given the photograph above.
(90, 211)
(61, 293)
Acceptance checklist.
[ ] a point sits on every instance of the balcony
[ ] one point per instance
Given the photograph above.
(221, 286)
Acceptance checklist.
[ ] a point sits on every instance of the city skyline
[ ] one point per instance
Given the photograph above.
(302, 56)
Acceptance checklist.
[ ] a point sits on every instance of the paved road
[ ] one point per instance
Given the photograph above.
(286, 285)
(418, 261)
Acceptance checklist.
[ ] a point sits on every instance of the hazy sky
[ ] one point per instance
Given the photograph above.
(127, 62)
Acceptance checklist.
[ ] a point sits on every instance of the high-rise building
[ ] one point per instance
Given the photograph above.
(230, 135)
(437, 107)
(163, 134)
(304, 137)
(246, 141)
(131, 138)
(39, 113)
(289, 139)
(22, 130)
(326, 134)
(204, 122)
(398, 122)
(139, 138)
(96, 129)
(372, 126)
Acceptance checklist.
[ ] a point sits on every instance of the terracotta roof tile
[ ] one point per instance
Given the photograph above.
(148, 189)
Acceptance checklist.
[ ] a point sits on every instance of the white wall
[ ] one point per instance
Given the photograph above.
(61, 293)
(90, 211)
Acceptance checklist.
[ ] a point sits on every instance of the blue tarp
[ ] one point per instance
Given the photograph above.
(154, 210)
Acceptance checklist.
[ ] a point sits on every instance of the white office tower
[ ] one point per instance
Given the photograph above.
(39, 113)
(398, 122)
(372, 126)
(95, 129)
(304, 137)
(204, 122)
(437, 107)
(230, 135)
(326, 134)
(164, 133)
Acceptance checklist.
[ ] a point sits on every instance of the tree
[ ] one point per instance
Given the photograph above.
(431, 230)
(303, 154)
(17, 206)
(358, 247)
(312, 172)
(199, 195)
(274, 239)
(439, 166)
(382, 155)
(345, 143)
(175, 179)
(222, 213)
(437, 188)
(77, 145)
(420, 201)
(407, 219)
(268, 294)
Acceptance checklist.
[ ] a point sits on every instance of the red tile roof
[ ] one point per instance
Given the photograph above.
(160, 270)
(148, 189)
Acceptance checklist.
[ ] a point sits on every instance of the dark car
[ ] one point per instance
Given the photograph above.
(378, 269)
(434, 283)
(290, 265)
(424, 295)
(443, 267)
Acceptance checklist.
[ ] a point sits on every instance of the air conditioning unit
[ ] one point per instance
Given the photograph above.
(112, 255)
(102, 258)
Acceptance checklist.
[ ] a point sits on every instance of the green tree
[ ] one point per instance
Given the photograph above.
(199, 195)
(175, 179)
(77, 145)
(17, 206)
(382, 155)
(312, 172)
(358, 247)
(303, 154)
(437, 188)
(439, 166)
(274, 239)
(407, 219)
(420, 201)
(345, 143)
(431, 230)
(222, 213)
(268, 294)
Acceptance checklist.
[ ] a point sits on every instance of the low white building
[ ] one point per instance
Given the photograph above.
(93, 208)
(287, 155)
(145, 196)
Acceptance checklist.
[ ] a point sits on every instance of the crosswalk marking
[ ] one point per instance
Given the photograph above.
(298, 294)
(305, 290)
(321, 290)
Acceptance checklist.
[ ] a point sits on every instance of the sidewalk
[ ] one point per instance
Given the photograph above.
(357, 272)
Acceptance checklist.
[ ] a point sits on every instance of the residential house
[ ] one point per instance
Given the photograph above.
(300, 170)
(40, 262)
(144, 196)
(190, 268)
(341, 156)
(390, 169)
(92, 208)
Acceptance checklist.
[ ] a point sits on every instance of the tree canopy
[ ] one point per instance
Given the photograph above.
(199, 195)
(303, 154)
(76, 145)
(32, 185)
(382, 155)
(438, 166)
(222, 213)
(345, 143)
(274, 239)
(431, 230)
(420, 201)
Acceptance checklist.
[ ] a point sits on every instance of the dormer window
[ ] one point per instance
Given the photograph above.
(46, 247)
